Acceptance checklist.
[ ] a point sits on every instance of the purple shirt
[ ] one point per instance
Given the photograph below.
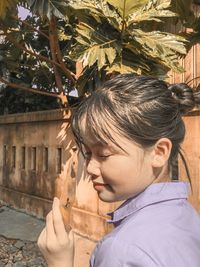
(156, 228)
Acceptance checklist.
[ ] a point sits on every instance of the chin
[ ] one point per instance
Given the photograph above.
(107, 199)
(110, 199)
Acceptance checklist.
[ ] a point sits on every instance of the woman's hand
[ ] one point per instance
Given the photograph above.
(56, 245)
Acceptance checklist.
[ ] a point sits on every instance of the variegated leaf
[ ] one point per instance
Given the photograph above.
(126, 7)
(47, 8)
(164, 47)
(153, 13)
(153, 40)
(111, 54)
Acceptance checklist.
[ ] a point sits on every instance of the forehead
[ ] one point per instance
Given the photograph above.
(99, 130)
(92, 132)
(113, 139)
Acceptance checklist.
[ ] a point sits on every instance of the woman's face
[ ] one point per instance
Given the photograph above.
(116, 174)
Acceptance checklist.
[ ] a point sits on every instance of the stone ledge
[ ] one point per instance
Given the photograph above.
(87, 224)
(38, 116)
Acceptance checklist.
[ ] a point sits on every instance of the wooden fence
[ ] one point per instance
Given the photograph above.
(191, 145)
(35, 156)
(191, 63)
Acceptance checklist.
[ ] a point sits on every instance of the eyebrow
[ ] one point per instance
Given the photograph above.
(94, 144)
(110, 147)
(99, 144)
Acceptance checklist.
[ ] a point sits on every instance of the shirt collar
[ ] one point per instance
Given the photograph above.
(154, 193)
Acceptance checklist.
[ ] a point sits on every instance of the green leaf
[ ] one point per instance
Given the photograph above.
(120, 68)
(111, 54)
(63, 36)
(95, 35)
(164, 47)
(153, 41)
(83, 80)
(101, 58)
(126, 7)
(129, 62)
(47, 8)
(84, 30)
(92, 56)
(77, 52)
(151, 11)
(126, 66)
(100, 48)
(82, 40)
(86, 11)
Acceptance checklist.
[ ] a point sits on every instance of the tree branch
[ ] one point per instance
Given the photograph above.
(70, 75)
(52, 32)
(58, 51)
(27, 89)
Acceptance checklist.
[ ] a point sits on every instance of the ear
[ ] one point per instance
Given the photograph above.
(161, 152)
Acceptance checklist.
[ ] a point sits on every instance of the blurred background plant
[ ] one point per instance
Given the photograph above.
(76, 44)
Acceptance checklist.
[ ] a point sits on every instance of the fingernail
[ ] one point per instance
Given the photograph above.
(56, 199)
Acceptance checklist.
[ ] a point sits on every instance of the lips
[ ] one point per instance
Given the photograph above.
(95, 183)
(98, 186)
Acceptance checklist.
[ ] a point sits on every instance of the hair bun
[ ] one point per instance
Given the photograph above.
(186, 98)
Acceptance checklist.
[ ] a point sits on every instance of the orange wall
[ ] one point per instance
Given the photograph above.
(25, 187)
(191, 147)
(33, 190)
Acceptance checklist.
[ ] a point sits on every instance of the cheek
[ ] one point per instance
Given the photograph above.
(119, 169)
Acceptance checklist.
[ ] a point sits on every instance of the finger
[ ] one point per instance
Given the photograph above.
(59, 226)
(42, 239)
(50, 231)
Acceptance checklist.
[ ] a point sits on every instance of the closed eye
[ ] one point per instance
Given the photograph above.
(103, 156)
(87, 155)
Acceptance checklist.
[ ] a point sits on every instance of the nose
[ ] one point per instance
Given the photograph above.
(93, 167)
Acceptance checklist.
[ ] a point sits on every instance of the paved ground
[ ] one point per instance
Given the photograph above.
(18, 241)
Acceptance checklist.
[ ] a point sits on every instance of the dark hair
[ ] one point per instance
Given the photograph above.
(143, 109)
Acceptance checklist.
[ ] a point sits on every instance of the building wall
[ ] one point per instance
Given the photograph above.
(191, 145)
(31, 157)
(191, 149)
(35, 163)
(30, 181)
(191, 63)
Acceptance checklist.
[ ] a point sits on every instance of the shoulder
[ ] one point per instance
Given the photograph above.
(114, 253)
(166, 222)
(145, 237)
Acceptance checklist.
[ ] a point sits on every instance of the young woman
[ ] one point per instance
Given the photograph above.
(130, 132)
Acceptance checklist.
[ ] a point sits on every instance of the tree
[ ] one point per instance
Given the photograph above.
(133, 36)
(32, 52)
(79, 43)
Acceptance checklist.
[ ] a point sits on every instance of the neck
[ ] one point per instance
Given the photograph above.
(161, 175)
